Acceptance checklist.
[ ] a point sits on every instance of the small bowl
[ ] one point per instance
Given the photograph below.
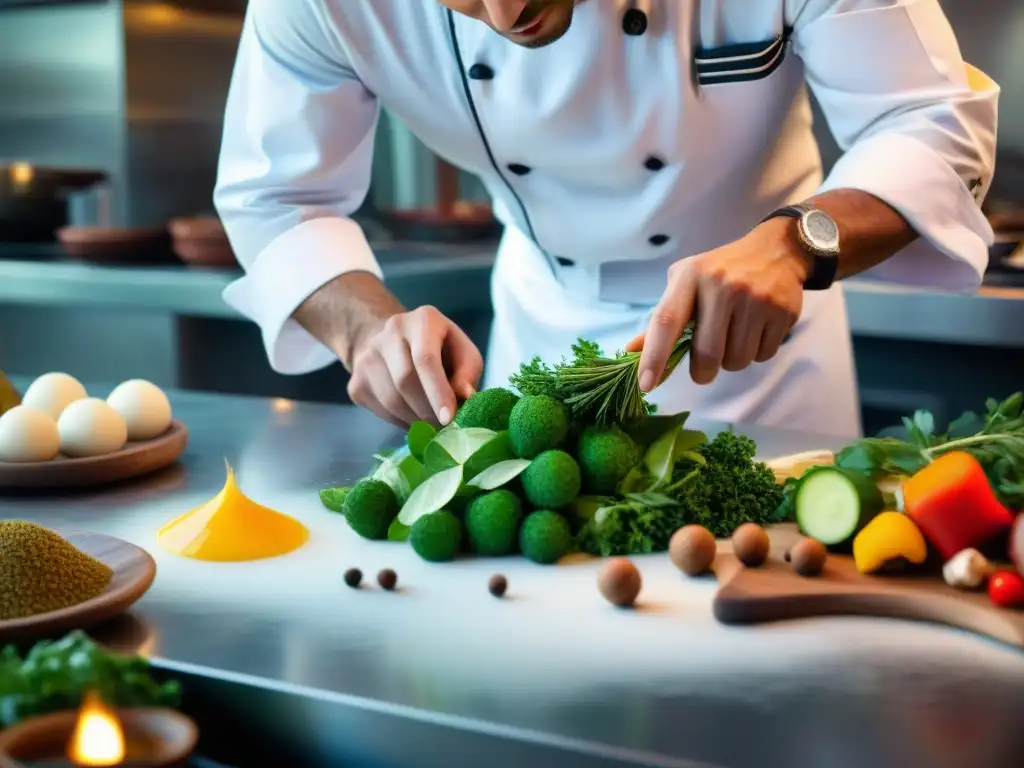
(197, 228)
(115, 244)
(155, 737)
(202, 241)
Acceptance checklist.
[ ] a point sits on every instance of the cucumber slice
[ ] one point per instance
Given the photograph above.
(833, 504)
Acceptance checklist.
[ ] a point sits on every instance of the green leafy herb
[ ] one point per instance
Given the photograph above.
(55, 675)
(597, 389)
(499, 474)
(420, 435)
(715, 484)
(461, 444)
(432, 494)
(398, 531)
(995, 439)
(494, 451)
(334, 498)
(401, 471)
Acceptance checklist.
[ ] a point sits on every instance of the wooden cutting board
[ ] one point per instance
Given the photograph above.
(775, 592)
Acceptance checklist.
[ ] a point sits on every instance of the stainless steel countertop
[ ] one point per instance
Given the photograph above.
(552, 663)
(457, 277)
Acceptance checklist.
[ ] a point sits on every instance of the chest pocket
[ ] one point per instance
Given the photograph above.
(740, 62)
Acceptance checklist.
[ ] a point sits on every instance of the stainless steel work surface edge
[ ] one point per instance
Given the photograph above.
(552, 657)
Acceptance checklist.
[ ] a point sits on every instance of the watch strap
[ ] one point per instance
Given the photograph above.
(823, 267)
(795, 211)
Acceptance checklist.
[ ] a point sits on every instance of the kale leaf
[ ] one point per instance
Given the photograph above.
(721, 493)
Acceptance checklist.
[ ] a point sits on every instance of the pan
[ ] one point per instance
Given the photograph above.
(35, 201)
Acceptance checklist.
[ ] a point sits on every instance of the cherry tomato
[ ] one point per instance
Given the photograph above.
(1006, 589)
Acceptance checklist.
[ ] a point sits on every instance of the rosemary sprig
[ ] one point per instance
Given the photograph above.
(597, 389)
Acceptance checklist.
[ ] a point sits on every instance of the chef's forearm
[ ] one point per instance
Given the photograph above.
(346, 310)
(870, 230)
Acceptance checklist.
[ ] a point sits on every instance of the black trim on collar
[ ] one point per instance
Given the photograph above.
(483, 137)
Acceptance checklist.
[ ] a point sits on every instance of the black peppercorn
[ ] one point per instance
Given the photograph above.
(353, 577)
(497, 585)
(387, 579)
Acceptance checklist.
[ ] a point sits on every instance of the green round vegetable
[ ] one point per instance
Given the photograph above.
(606, 455)
(538, 423)
(488, 409)
(436, 537)
(552, 480)
(370, 507)
(492, 523)
(545, 537)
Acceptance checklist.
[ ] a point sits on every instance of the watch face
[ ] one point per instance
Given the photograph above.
(821, 230)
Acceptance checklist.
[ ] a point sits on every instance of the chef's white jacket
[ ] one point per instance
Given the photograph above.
(608, 157)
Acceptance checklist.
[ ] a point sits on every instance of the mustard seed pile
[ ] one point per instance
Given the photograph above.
(40, 571)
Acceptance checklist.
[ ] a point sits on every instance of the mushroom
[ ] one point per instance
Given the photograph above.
(967, 569)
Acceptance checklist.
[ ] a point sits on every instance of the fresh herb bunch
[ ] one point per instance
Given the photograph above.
(717, 484)
(55, 675)
(995, 439)
(597, 389)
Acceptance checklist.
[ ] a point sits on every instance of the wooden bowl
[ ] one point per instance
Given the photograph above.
(134, 460)
(114, 244)
(134, 572)
(202, 241)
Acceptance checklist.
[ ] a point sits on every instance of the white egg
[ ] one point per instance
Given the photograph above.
(143, 406)
(52, 392)
(90, 427)
(28, 435)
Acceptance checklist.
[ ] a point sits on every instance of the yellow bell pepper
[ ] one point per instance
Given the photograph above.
(890, 536)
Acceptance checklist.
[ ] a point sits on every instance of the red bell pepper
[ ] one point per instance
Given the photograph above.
(954, 505)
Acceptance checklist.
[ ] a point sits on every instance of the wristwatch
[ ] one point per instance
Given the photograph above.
(819, 237)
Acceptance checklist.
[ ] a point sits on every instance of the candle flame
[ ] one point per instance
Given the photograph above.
(98, 739)
(21, 173)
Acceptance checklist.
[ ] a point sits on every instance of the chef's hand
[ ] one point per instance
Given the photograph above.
(414, 365)
(404, 365)
(745, 298)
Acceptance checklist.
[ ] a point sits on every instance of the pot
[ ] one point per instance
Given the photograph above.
(36, 201)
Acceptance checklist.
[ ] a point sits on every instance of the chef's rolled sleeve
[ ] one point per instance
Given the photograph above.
(918, 126)
(295, 164)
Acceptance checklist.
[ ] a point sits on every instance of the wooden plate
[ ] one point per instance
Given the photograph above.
(133, 460)
(134, 571)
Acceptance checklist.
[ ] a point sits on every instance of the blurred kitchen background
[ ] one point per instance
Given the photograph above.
(110, 113)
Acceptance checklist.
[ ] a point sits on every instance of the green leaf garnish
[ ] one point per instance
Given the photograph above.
(500, 474)
(334, 498)
(420, 435)
(398, 531)
(433, 494)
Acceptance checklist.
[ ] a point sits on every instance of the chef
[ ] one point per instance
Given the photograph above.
(653, 163)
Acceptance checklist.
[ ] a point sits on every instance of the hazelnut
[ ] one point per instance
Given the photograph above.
(692, 549)
(387, 579)
(497, 585)
(619, 581)
(750, 543)
(807, 556)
